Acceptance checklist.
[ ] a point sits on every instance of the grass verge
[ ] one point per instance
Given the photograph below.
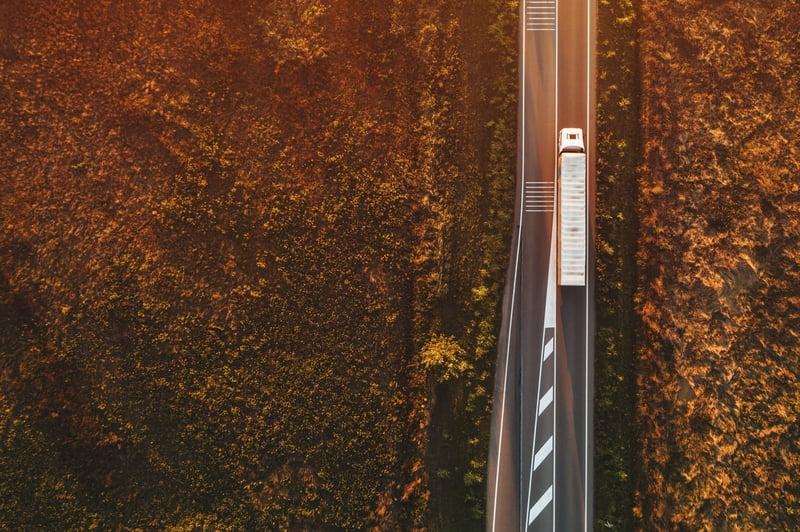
(618, 158)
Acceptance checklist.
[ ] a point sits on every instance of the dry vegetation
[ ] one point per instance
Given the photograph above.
(619, 150)
(230, 234)
(719, 294)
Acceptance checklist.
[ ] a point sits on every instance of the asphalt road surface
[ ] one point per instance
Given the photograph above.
(540, 462)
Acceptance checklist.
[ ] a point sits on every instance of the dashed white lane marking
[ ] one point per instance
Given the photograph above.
(540, 505)
(546, 400)
(548, 350)
(543, 452)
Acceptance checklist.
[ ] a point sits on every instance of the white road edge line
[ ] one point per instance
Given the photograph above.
(513, 292)
(505, 376)
(586, 494)
(555, 331)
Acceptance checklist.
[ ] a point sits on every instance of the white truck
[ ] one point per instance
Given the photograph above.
(571, 208)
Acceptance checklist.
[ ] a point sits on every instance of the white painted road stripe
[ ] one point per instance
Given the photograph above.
(551, 492)
(546, 400)
(548, 349)
(540, 15)
(586, 503)
(539, 196)
(543, 453)
(510, 318)
(540, 505)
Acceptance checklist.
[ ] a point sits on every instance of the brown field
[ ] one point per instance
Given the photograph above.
(719, 265)
(248, 252)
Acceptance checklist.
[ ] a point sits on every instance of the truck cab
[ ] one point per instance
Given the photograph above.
(570, 139)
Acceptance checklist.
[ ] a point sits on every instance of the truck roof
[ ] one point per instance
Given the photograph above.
(572, 230)
(570, 139)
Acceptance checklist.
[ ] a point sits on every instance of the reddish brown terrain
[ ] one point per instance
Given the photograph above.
(230, 232)
(251, 255)
(719, 265)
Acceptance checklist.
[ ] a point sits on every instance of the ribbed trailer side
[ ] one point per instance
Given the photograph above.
(572, 219)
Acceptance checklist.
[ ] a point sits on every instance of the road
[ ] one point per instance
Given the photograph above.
(540, 462)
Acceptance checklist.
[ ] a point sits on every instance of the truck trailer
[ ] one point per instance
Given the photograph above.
(571, 198)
